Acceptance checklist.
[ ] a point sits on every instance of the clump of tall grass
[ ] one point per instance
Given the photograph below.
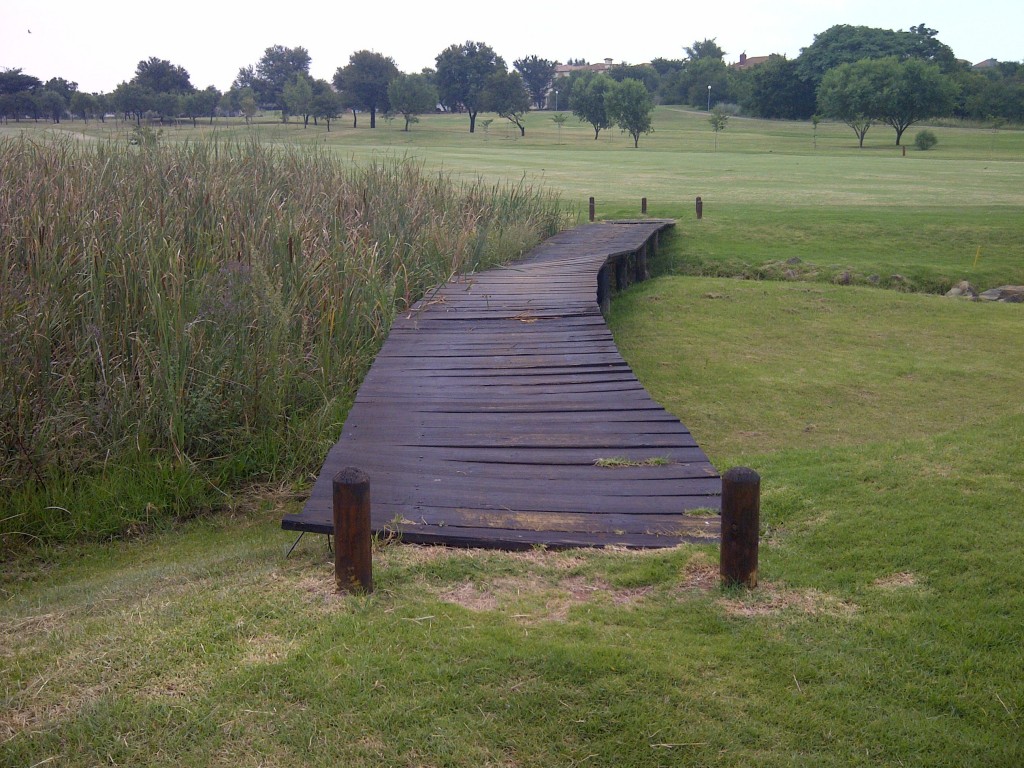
(207, 309)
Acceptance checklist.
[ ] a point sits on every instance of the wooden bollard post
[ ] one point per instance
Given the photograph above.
(700, 208)
(643, 205)
(353, 566)
(741, 513)
(904, 151)
(591, 209)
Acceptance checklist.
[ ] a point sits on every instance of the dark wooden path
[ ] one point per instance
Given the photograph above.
(484, 418)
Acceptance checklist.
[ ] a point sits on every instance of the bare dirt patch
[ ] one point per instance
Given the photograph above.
(700, 574)
(769, 600)
(897, 581)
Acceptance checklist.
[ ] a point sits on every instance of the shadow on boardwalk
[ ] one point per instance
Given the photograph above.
(499, 413)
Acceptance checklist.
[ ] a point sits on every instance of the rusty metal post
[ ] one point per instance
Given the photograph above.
(700, 208)
(591, 209)
(353, 565)
(741, 513)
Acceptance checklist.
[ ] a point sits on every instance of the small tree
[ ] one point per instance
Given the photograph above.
(412, 95)
(298, 98)
(559, 120)
(718, 122)
(326, 102)
(247, 104)
(629, 105)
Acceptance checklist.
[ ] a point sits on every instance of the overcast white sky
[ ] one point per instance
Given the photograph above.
(99, 44)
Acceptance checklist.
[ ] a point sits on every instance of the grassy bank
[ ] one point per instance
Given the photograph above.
(176, 319)
(885, 629)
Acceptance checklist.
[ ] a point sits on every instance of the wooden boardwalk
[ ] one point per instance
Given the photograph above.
(486, 416)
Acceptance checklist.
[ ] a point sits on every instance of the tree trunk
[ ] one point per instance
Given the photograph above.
(354, 117)
(373, 117)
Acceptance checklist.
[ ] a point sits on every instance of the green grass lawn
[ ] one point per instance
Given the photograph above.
(887, 427)
(772, 191)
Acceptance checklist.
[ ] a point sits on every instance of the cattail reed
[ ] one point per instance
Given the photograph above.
(212, 306)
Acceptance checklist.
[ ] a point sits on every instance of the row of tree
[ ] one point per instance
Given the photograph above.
(831, 77)
(789, 88)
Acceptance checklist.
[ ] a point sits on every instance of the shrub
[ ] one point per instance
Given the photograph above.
(925, 140)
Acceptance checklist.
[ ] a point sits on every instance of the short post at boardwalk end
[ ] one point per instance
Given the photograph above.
(741, 513)
(591, 209)
(353, 566)
(643, 205)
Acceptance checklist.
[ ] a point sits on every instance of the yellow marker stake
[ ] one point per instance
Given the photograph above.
(977, 256)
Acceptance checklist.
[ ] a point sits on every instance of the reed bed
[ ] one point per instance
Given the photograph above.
(188, 316)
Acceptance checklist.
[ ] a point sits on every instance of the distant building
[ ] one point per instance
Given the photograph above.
(986, 64)
(746, 62)
(564, 70)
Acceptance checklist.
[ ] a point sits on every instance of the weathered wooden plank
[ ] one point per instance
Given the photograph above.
(482, 417)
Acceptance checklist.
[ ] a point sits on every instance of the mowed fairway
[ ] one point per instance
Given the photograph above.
(772, 190)
(887, 426)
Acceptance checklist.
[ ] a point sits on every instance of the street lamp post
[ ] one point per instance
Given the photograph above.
(556, 99)
(709, 98)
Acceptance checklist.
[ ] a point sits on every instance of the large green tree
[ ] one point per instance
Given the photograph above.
(462, 76)
(16, 94)
(132, 99)
(507, 95)
(537, 74)
(846, 44)
(161, 76)
(776, 90)
(849, 93)
(588, 100)
(412, 95)
(276, 68)
(705, 49)
(82, 105)
(911, 90)
(630, 105)
(364, 81)
(15, 81)
(51, 104)
(204, 103)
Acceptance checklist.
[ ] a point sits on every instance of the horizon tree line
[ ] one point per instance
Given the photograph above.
(823, 81)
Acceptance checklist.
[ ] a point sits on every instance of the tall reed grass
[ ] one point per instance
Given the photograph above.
(206, 310)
